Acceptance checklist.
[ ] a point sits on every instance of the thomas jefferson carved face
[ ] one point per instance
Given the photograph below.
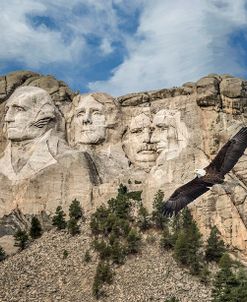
(27, 113)
(90, 122)
(138, 144)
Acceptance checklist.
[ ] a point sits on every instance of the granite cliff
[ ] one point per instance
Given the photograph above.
(83, 146)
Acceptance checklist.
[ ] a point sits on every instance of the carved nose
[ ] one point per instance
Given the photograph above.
(87, 118)
(9, 117)
(146, 135)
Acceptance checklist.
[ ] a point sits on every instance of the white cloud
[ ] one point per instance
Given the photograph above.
(74, 21)
(178, 41)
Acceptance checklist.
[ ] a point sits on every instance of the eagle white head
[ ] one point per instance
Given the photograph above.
(200, 172)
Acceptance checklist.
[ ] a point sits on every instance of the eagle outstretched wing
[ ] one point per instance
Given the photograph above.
(224, 161)
(229, 154)
(184, 195)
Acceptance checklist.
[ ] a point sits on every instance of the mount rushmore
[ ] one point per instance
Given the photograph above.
(58, 145)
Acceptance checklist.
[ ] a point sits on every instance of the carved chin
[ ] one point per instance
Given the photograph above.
(90, 138)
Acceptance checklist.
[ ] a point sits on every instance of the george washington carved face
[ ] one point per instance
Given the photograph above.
(28, 112)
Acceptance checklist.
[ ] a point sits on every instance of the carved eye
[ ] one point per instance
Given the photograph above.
(81, 113)
(136, 130)
(19, 108)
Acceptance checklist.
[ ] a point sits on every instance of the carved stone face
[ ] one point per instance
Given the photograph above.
(138, 144)
(89, 122)
(27, 113)
(170, 134)
(161, 128)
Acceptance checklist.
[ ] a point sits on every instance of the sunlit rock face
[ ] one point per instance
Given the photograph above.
(57, 145)
(38, 169)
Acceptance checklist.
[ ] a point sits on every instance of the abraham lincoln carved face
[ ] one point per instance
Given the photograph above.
(28, 112)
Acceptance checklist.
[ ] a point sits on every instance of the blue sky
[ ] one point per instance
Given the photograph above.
(122, 46)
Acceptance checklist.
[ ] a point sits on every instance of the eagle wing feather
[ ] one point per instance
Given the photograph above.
(184, 195)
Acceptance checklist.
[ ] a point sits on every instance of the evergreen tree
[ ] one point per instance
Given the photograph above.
(158, 217)
(134, 241)
(224, 281)
(21, 239)
(2, 254)
(229, 286)
(73, 227)
(58, 219)
(167, 239)
(215, 247)
(35, 230)
(143, 220)
(75, 210)
(188, 244)
(103, 275)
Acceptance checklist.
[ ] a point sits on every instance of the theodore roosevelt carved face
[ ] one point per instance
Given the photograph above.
(151, 137)
(28, 112)
(138, 143)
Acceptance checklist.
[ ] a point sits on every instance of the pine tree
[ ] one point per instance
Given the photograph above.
(73, 227)
(35, 230)
(21, 239)
(215, 247)
(58, 219)
(224, 281)
(103, 275)
(143, 220)
(158, 217)
(2, 254)
(134, 241)
(188, 244)
(229, 286)
(75, 210)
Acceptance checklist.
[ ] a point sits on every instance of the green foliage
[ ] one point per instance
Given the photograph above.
(134, 241)
(158, 217)
(75, 210)
(143, 219)
(2, 254)
(58, 219)
(65, 254)
(167, 240)
(87, 256)
(225, 284)
(215, 247)
(103, 275)
(135, 195)
(115, 236)
(21, 239)
(35, 230)
(188, 244)
(73, 227)
(172, 299)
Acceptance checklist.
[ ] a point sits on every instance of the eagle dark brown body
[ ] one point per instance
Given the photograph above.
(224, 161)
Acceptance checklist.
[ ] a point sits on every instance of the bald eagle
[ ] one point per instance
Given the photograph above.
(213, 174)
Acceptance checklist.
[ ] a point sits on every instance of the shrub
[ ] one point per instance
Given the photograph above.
(87, 256)
(58, 219)
(75, 210)
(103, 275)
(143, 220)
(158, 217)
(134, 241)
(21, 239)
(73, 227)
(2, 254)
(35, 230)
(215, 247)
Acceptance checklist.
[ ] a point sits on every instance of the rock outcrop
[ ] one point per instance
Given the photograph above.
(149, 141)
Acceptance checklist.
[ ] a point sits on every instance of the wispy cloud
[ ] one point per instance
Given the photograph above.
(178, 41)
(122, 46)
